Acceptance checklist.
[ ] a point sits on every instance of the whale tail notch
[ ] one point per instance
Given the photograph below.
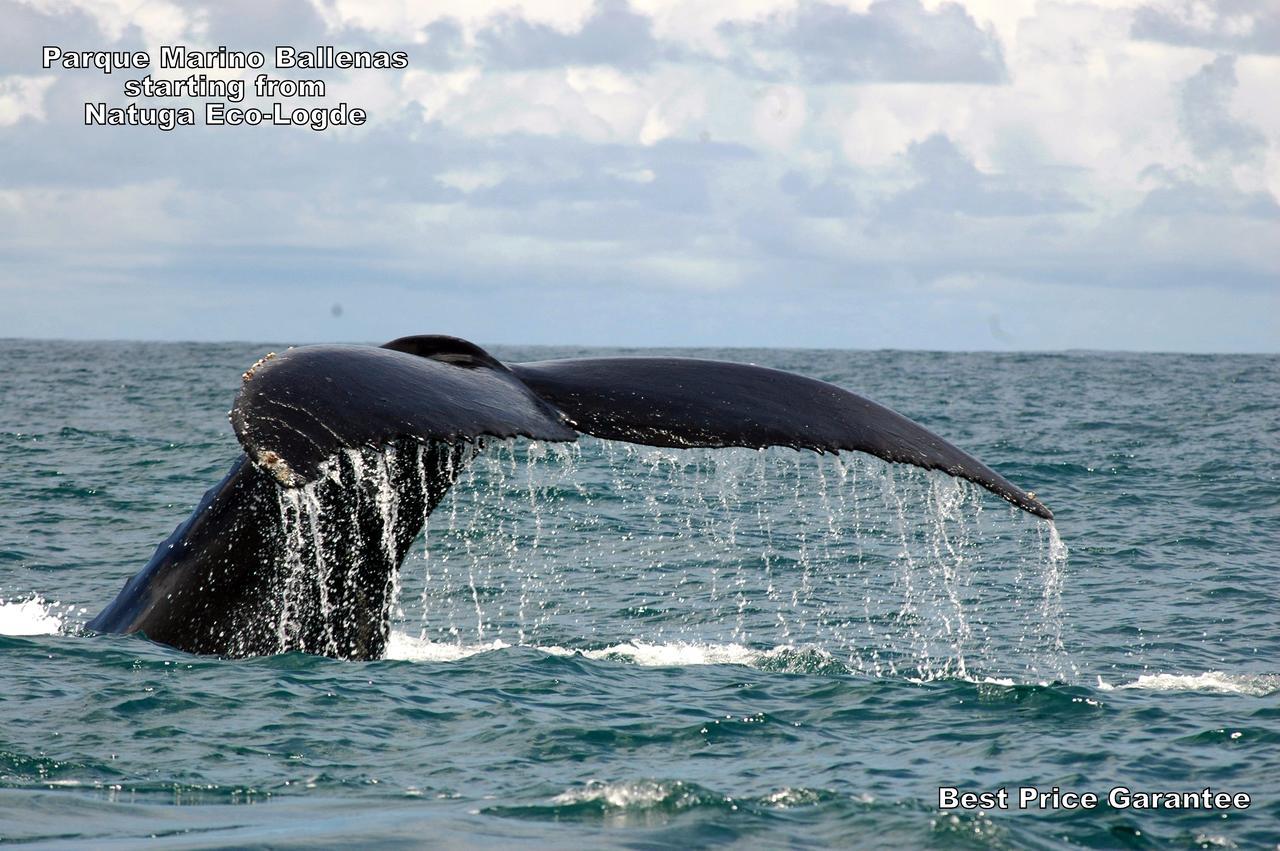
(296, 410)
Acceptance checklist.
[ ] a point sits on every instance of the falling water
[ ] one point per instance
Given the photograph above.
(340, 538)
(817, 559)
(879, 569)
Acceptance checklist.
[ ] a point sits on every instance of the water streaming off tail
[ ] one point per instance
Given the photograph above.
(888, 569)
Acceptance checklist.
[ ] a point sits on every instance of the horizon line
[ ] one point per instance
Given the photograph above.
(648, 346)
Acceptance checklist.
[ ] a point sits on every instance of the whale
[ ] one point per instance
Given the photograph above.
(298, 549)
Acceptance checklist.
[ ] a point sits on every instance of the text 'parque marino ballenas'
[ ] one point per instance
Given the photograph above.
(182, 57)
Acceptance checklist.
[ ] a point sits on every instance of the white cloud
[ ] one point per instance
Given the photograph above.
(23, 97)
(780, 114)
(158, 21)
(435, 92)
(697, 26)
(471, 179)
(1230, 25)
(873, 133)
(396, 19)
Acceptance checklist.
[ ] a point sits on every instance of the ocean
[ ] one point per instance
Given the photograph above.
(604, 645)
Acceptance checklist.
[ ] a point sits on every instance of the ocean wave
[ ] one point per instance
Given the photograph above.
(677, 654)
(621, 804)
(782, 658)
(650, 800)
(640, 795)
(1254, 685)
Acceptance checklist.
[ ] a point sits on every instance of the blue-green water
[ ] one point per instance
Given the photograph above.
(620, 646)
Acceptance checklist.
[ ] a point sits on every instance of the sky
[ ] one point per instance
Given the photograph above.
(908, 174)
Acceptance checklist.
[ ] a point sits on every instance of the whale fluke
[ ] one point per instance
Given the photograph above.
(296, 549)
(684, 402)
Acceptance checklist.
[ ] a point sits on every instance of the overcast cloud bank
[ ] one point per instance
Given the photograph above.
(888, 174)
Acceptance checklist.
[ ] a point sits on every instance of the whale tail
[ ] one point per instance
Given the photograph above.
(297, 548)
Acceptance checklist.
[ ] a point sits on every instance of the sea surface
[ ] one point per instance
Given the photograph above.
(615, 646)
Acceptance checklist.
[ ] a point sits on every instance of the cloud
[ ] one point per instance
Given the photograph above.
(26, 29)
(1191, 199)
(629, 182)
(398, 22)
(125, 21)
(1205, 115)
(828, 199)
(893, 41)
(443, 47)
(23, 97)
(254, 25)
(613, 35)
(600, 172)
(1236, 26)
(951, 184)
(1181, 196)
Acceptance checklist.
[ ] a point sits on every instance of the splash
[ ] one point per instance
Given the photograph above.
(679, 654)
(634, 795)
(1254, 685)
(407, 648)
(33, 616)
(651, 802)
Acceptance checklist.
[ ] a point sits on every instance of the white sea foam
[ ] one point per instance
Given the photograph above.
(641, 795)
(631, 795)
(405, 647)
(1004, 682)
(32, 616)
(786, 658)
(1256, 685)
(682, 653)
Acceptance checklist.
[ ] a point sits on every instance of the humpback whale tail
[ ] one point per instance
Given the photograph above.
(309, 420)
